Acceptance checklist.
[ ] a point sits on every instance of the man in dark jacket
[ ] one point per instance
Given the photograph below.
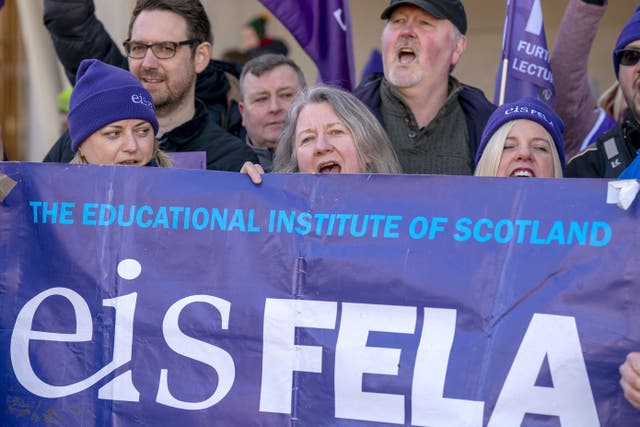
(434, 122)
(168, 48)
(615, 150)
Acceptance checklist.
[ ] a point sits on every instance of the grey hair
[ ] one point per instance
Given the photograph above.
(374, 150)
(457, 35)
(490, 158)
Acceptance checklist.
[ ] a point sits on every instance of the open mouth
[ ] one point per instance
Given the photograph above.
(129, 163)
(331, 167)
(523, 173)
(406, 55)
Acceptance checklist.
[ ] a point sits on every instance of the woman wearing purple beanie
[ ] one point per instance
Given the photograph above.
(112, 120)
(522, 139)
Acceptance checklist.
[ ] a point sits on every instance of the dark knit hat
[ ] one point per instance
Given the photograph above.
(259, 25)
(104, 94)
(453, 10)
(529, 109)
(630, 32)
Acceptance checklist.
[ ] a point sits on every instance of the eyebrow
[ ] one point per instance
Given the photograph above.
(254, 94)
(268, 92)
(532, 139)
(140, 123)
(306, 131)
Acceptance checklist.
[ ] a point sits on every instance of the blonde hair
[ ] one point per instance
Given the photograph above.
(492, 154)
(612, 102)
(159, 157)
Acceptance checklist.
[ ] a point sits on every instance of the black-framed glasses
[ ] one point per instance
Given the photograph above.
(628, 57)
(161, 50)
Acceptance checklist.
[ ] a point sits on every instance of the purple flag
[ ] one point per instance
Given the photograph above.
(1, 3)
(524, 67)
(323, 29)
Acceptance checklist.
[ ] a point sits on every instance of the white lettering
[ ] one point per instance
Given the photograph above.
(570, 398)
(280, 356)
(354, 359)
(337, 14)
(429, 407)
(195, 349)
(23, 334)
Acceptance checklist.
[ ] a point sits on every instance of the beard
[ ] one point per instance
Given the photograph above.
(173, 95)
(403, 77)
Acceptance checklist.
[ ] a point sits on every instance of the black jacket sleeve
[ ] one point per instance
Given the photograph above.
(61, 150)
(77, 34)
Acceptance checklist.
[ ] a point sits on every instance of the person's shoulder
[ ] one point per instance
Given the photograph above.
(368, 91)
(369, 84)
(599, 143)
(474, 97)
(611, 133)
(589, 162)
(61, 151)
(585, 164)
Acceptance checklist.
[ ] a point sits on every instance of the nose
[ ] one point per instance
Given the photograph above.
(322, 144)
(149, 60)
(524, 152)
(274, 104)
(129, 142)
(407, 29)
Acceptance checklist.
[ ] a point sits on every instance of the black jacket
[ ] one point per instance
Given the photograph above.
(612, 152)
(223, 151)
(477, 108)
(77, 34)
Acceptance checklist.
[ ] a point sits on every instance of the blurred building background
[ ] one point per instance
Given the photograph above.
(31, 78)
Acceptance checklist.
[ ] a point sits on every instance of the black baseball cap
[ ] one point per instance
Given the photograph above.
(453, 10)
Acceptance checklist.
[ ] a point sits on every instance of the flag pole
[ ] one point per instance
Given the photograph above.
(506, 50)
(503, 80)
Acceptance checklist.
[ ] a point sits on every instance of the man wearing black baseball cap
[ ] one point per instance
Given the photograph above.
(434, 121)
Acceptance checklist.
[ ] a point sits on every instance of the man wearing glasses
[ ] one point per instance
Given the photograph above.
(614, 150)
(169, 45)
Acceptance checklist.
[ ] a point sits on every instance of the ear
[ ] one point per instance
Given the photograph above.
(241, 110)
(202, 56)
(461, 45)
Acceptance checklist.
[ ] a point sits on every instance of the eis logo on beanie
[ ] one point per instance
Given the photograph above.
(141, 99)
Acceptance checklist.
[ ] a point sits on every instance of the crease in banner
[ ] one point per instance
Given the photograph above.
(524, 68)
(323, 29)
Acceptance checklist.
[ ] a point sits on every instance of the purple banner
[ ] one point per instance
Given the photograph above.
(323, 29)
(524, 68)
(157, 297)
